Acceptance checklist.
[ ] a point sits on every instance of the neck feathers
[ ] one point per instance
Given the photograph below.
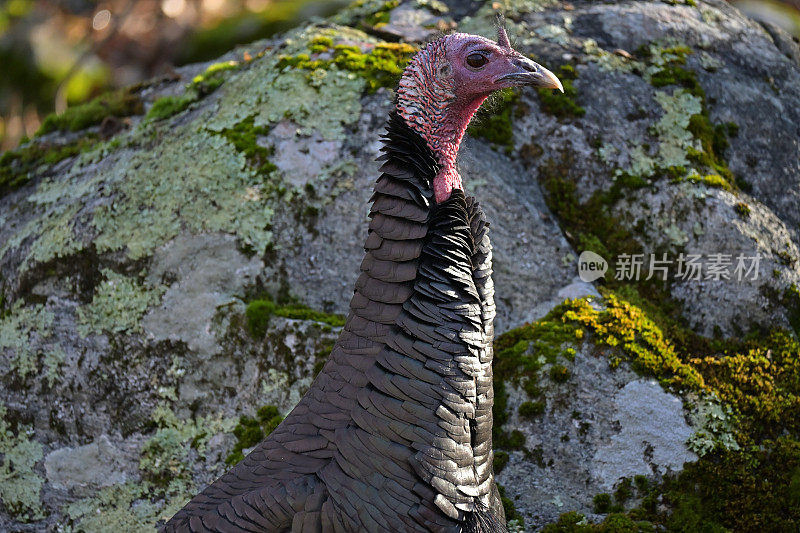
(427, 101)
(425, 92)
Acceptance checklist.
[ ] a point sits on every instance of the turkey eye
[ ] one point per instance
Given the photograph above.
(476, 60)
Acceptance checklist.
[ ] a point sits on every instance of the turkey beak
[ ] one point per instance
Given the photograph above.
(533, 74)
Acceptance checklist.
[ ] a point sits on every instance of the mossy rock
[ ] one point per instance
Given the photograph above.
(121, 103)
(250, 431)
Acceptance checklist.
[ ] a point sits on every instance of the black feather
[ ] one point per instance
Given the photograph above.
(483, 521)
(395, 432)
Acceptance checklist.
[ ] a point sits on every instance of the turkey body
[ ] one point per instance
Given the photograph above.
(395, 432)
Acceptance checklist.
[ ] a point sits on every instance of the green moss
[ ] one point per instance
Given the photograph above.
(118, 304)
(495, 125)
(791, 302)
(531, 388)
(757, 381)
(531, 410)
(381, 66)
(259, 312)
(21, 485)
(381, 16)
(785, 258)
(624, 490)
(302, 312)
(17, 165)
(568, 72)
(712, 138)
(500, 461)
(559, 373)
(760, 379)
(668, 67)
(213, 76)
(522, 352)
(519, 356)
(601, 502)
(571, 522)
(589, 225)
(503, 439)
(742, 209)
(320, 43)
(562, 105)
(509, 507)
(202, 84)
(714, 181)
(713, 141)
(676, 75)
(121, 103)
(319, 364)
(167, 106)
(500, 436)
(627, 327)
(244, 136)
(574, 522)
(752, 490)
(324, 349)
(250, 431)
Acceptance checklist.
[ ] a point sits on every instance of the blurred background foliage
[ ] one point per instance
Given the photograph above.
(57, 53)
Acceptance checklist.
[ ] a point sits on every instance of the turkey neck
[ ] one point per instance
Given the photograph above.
(427, 103)
(443, 129)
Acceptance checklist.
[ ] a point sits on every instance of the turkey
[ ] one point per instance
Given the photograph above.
(395, 433)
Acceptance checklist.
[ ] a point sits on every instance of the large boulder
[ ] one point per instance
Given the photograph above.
(181, 259)
(680, 136)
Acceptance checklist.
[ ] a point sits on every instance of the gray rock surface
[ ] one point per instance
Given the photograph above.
(201, 274)
(652, 435)
(600, 426)
(87, 468)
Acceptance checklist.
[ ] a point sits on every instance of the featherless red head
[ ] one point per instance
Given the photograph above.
(445, 84)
